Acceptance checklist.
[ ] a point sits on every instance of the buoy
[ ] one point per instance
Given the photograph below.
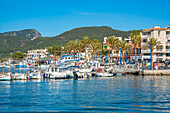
(99, 70)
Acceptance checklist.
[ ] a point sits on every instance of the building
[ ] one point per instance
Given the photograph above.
(113, 52)
(37, 54)
(160, 52)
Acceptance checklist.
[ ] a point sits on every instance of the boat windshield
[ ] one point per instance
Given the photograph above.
(55, 69)
(52, 69)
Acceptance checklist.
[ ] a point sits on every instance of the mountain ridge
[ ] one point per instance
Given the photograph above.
(29, 34)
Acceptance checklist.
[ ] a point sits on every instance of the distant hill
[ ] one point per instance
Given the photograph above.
(10, 44)
(93, 33)
(22, 41)
(29, 34)
(77, 33)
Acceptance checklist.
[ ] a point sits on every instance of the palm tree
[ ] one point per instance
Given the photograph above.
(96, 46)
(69, 46)
(113, 42)
(55, 50)
(136, 40)
(74, 46)
(124, 46)
(154, 42)
(85, 41)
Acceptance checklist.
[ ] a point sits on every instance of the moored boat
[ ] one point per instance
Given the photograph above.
(5, 76)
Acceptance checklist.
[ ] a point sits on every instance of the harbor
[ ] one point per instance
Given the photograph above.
(85, 56)
(96, 94)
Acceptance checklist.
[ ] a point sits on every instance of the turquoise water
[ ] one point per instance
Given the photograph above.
(113, 94)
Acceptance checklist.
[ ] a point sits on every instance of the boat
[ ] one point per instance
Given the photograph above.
(35, 75)
(54, 73)
(104, 74)
(5, 77)
(19, 76)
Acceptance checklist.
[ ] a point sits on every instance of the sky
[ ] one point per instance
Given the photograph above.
(53, 17)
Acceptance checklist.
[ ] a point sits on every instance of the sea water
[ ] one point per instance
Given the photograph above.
(98, 94)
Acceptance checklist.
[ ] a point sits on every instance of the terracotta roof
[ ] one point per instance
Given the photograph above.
(156, 29)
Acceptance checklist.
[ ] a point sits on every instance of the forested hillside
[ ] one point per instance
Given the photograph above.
(21, 43)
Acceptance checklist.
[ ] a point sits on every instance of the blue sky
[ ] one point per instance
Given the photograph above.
(52, 17)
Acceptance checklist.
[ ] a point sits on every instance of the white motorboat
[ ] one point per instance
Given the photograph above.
(35, 75)
(54, 73)
(19, 76)
(105, 74)
(5, 76)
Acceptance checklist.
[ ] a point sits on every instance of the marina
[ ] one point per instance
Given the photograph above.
(85, 56)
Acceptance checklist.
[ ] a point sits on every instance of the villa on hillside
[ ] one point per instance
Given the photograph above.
(162, 51)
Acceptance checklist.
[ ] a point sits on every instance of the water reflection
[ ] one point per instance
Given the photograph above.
(107, 94)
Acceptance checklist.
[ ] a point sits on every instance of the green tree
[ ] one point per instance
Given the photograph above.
(55, 50)
(113, 42)
(136, 40)
(18, 56)
(96, 46)
(86, 42)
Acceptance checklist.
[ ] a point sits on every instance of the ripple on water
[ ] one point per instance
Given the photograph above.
(113, 94)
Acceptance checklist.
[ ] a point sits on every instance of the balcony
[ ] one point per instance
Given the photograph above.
(155, 50)
(145, 51)
(167, 49)
(143, 43)
(145, 36)
(167, 42)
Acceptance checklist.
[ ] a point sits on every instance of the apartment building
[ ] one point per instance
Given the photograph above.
(160, 52)
(37, 54)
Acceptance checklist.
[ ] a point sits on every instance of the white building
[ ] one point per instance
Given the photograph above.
(37, 54)
(160, 52)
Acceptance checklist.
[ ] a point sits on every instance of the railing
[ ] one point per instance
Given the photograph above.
(155, 50)
(147, 50)
(145, 36)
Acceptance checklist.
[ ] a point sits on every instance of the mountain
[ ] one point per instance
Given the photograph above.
(77, 33)
(10, 44)
(22, 40)
(29, 34)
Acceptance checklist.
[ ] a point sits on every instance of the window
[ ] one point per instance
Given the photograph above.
(168, 33)
(52, 69)
(159, 54)
(167, 48)
(105, 47)
(159, 59)
(55, 69)
(168, 54)
(159, 33)
(146, 54)
(144, 40)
